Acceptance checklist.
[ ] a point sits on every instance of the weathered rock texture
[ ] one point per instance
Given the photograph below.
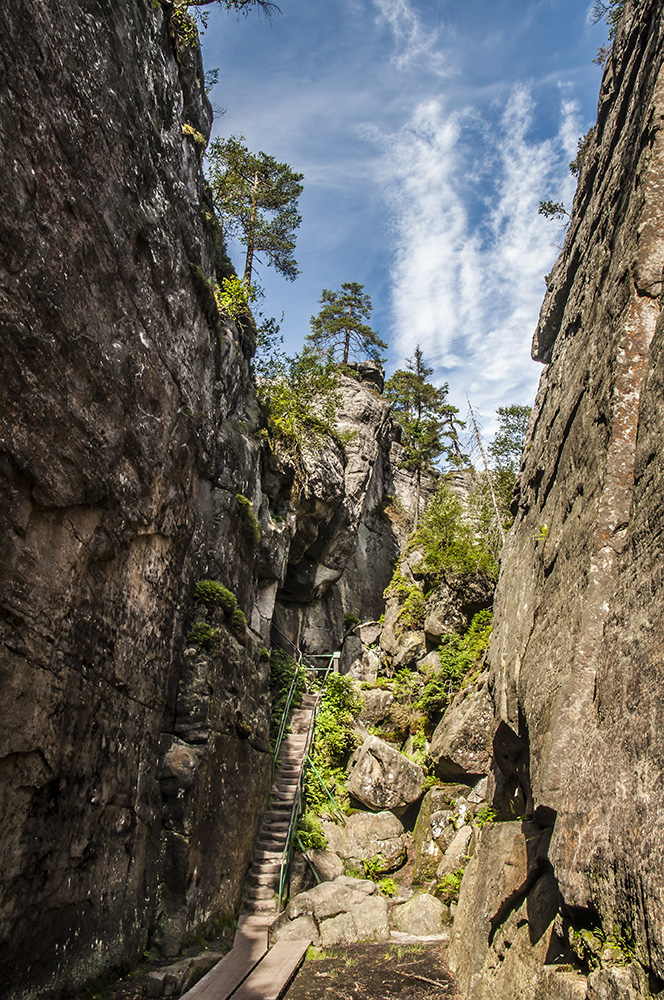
(353, 513)
(123, 762)
(576, 657)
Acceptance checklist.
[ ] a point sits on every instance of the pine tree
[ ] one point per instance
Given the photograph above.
(256, 200)
(339, 325)
(429, 422)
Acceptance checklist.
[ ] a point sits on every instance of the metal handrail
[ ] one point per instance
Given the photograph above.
(284, 715)
(297, 804)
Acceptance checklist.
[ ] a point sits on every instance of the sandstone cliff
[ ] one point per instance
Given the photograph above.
(134, 763)
(576, 657)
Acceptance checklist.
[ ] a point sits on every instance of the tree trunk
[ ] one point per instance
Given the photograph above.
(249, 262)
(417, 499)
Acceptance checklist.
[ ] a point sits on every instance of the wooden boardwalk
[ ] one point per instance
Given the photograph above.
(250, 971)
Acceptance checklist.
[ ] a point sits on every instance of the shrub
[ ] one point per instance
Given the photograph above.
(250, 523)
(214, 594)
(448, 888)
(310, 832)
(387, 886)
(333, 740)
(486, 815)
(206, 636)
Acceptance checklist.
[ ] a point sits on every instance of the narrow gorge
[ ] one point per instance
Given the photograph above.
(161, 543)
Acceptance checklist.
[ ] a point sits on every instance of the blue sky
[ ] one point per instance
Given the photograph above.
(427, 132)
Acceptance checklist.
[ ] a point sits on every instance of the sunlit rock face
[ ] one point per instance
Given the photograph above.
(121, 455)
(576, 656)
(353, 511)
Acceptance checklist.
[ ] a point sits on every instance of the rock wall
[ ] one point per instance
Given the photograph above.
(134, 763)
(122, 450)
(353, 514)
(576, 658)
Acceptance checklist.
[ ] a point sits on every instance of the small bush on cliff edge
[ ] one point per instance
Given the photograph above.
(214, 594)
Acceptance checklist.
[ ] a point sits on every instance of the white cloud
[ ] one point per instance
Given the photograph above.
(471, 250)
(417, 45)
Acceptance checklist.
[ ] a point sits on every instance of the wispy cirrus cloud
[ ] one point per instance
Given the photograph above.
(416, 44)
(471, 250)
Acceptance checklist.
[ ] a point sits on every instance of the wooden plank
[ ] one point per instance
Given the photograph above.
(249, 946)
(270, 979)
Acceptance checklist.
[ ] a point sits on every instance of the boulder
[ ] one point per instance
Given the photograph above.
(369, 632)
(382, 778)
(340, 912)
(365, 667)
(628, 983)
(306, 865)
(376, 706)
(400, 646)
(452, 605)
(427, 852)
(462, 743)
(367, 835)
(327, 864)
(456, 855)
(430, 664)
(423, 916)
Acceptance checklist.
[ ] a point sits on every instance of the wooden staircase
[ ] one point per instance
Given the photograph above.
(262, 884)
(249, 971)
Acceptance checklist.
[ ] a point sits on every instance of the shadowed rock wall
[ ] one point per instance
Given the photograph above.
(119, 465)
(578, 643)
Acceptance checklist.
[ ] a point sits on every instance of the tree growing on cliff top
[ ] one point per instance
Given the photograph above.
(429, 422)
(256, 198)
(340, 328)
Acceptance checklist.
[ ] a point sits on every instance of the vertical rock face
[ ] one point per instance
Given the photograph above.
(119, 466)
(134, 763)
(576, 656)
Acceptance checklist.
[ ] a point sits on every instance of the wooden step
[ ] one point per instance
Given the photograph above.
(271, 977)
(249, 946)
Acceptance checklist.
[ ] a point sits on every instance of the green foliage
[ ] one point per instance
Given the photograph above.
(430, 424)
(374, 867)
(405, 715)
(333, 740)
(448, 888)
(188, 20)
(206, 636)
(414, 610)
(299, 396)
(339, 325)
(505, 452)
(387, 886)
(256, 198)
(350, 621)
(214, 594)
(436, 696)
(310, 832)
(486, 816)
(553, 210)
(461, 654)
(198, 138)
(249, 520)
(233, 297)
(609, 10)
(582, 147)
(448, 542)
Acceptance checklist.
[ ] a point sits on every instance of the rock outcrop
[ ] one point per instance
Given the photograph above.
(577, 649)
